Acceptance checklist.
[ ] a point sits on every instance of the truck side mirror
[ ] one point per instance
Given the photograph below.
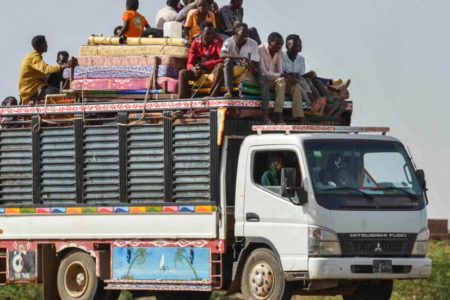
(289, 188)
(422, 181)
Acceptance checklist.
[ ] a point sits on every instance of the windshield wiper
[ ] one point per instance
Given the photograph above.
(348, 188)
(394, 188)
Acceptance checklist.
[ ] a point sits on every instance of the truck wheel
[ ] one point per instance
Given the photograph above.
(263, 278)
(381, 290)
(76, 277)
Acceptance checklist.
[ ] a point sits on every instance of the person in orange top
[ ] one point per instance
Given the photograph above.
(197, 17)
(134, 23)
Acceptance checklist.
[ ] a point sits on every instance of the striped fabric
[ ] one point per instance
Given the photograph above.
(102, 72)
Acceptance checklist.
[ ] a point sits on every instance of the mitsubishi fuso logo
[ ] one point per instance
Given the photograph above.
(378, 248)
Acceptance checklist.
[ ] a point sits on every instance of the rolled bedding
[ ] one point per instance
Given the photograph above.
(176, 51)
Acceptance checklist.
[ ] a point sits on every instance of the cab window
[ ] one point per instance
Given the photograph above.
(267, 167)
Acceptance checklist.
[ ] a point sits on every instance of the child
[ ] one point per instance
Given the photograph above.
(134, 23)
(198, 16)
(5, 122)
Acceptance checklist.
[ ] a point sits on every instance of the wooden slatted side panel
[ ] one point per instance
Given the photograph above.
(101, 165)
(58, 165)
(16, 167)
(146, 163)
(191, 160)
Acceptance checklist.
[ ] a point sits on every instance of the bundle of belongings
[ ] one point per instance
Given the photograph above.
(107, 67)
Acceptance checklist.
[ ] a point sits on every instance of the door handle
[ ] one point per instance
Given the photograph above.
(252, 217)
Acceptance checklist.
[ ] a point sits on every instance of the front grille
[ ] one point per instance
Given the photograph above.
(367, 247)
(377, 245)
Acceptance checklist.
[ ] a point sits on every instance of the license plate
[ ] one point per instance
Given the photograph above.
(382, 266)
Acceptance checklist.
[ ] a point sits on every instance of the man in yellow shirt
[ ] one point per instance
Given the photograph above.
(34, 72)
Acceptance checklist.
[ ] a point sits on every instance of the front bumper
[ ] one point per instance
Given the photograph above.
(343, 268)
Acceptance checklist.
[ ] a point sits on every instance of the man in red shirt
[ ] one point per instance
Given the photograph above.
(204, 58)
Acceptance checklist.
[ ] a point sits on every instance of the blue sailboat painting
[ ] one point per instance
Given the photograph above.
(151, 263)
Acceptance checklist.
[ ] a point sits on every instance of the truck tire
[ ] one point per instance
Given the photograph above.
(381, 290)
(76, 277)
(263, 277)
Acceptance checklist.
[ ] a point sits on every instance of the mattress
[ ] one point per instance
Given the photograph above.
(101, 72)
(170, 84)
(176, 51)
(122, 84)
(110, 84)
(107, 61)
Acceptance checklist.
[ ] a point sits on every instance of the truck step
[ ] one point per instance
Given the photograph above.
(158, 287)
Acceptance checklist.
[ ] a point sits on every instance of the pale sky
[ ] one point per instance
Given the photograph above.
(395, 51)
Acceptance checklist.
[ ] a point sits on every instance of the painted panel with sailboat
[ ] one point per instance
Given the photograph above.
(151, 263)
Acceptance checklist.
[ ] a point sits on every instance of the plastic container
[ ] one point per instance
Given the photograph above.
(173, 30)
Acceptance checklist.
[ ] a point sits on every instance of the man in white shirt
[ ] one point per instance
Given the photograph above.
(271, 65)
(294, 66)
(167, 14)
(239, 50)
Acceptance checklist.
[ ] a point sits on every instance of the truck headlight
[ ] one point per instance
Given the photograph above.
(421, 244)
(323, 242)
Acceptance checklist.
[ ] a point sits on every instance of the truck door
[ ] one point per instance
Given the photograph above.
(270, 217)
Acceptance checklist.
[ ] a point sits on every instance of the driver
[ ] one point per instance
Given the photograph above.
(272, 176)
(337, 173)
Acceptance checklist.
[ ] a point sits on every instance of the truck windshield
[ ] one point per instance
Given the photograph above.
(366, 173)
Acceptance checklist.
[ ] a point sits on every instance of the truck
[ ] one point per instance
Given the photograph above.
(178, 199)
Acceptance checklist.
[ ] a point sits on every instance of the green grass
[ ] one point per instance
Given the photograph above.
(437, 288)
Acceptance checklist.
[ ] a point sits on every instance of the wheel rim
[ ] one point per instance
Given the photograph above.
(262, 280)
(76, 279)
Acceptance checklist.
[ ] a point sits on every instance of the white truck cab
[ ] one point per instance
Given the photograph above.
(339, 212)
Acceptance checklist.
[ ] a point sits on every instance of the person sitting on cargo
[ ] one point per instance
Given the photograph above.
(34, 72)
(182, 14)
(240, 50)
(8, 122)
(272, 176)
(219, 22)
(196, 17)
(271, 65)
(56, 79)
(134, 24)
(294, 65)
(167, 14)
(234, 13)
(204, 58)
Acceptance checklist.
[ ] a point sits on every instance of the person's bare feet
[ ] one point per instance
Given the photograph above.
(228, 94)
